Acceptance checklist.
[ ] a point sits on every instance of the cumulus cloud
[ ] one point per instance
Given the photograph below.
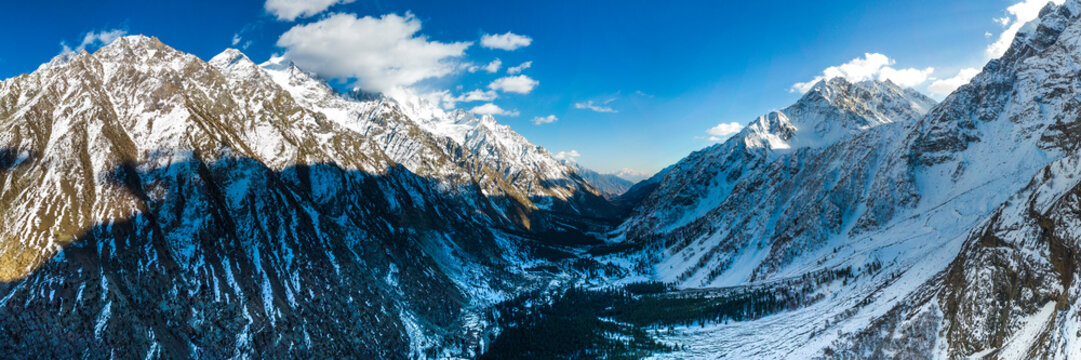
(480, 95)
(723, 131)
(590, 105)
(540, 120)
(520, 84)
(870, 66)
(492, 109)
(380, 54)
(567, 155)
(508, 41)
(518, 69)
(493, 66)
(101, 38)
(946, 86)
(906, 77)
(289, 10)
(1016, 16)
(450, 101)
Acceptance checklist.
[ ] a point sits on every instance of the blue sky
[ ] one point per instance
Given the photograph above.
(661, 73)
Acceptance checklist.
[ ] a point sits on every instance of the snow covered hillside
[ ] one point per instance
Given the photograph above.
(954, 225)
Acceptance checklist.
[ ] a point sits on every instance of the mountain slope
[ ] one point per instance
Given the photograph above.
(161, 206)
(951, 235)
(1010, 292)
(731, 195)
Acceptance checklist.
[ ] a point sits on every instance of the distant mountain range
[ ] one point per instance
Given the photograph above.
(610, 185)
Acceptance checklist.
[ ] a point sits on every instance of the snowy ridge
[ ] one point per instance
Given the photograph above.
(458, 146)
(831, 111)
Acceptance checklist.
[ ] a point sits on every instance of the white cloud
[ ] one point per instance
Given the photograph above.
(723, 131)
(101, 38)
(289, 10)
(449, 101)
(379, 53)
(946, 86)
(905, 77)
(519, 68)
(493, 66)
(516, 84)
(871, 66)
(540, 120)
(492, 109)
(480, 95)
(237, 39)
(1017, 15)
(590, 105)
(567, 155)
(508, 41)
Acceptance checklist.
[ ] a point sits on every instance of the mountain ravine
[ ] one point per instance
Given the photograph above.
(156, 205)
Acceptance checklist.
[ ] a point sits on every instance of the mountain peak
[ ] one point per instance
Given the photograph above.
(141, 50)
(137, 42)
(231, 54)
(840, 87)
(831, 83)
(833, 109)
(235, 64)
(231, 57)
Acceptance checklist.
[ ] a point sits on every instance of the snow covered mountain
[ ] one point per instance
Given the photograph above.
(911, 230)
(760, 173)
(433, 143)
(156, 205)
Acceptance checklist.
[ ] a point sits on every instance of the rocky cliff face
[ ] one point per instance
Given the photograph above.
(159, 205)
